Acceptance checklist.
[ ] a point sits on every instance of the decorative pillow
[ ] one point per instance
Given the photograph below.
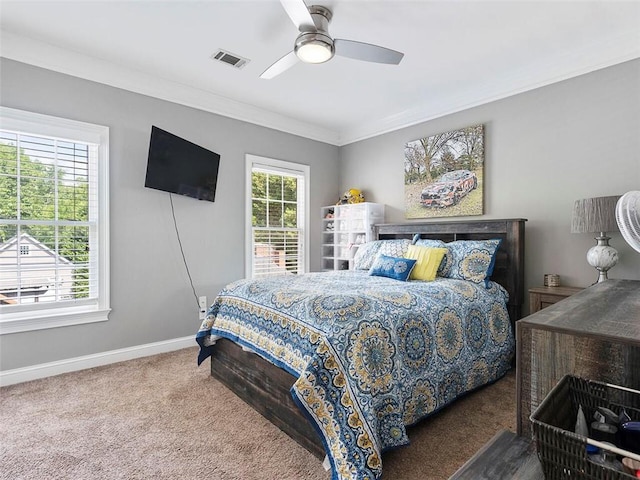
(394, 248)
(365, 255)
(367, 252)
(471, 260)
(445, 264)
(392, 267)
(427, 261)
(429, 242)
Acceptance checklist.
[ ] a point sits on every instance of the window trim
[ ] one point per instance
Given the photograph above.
(285, 167)
(26, 319)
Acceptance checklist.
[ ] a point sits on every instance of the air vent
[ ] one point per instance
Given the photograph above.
(230, 58)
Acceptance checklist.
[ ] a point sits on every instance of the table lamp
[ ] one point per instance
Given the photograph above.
(597, 215)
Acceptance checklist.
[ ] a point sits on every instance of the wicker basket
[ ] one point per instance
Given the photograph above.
(562, 453)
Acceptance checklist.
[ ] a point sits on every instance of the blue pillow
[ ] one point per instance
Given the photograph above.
(427, 242)
(471, 260)
(392, 267)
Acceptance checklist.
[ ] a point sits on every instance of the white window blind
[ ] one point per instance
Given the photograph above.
(52, 234)
(278, 217)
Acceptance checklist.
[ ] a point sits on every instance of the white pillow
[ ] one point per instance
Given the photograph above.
(367, 252)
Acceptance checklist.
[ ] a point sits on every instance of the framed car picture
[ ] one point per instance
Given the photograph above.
(444, 173)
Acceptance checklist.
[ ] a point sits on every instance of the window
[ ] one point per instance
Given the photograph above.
(53, 221)
(277, 217)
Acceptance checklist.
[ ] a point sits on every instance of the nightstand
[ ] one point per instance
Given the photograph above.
(541, 297)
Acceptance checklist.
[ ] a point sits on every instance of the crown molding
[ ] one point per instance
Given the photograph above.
(594, 56)
(44, 55)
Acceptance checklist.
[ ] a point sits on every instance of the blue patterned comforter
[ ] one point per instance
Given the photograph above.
(371, 354)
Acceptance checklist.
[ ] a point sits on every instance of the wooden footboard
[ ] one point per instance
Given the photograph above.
(266, 388)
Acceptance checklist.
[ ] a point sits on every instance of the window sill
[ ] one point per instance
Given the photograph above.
(63, 317)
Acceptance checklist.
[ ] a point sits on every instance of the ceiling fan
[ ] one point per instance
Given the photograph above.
(315, 45)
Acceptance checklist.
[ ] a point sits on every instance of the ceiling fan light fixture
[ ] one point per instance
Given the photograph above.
(314, 48)
(315, 45)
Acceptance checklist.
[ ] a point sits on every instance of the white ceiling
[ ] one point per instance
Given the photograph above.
(457, 54)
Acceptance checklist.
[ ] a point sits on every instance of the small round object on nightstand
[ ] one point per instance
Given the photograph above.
(551, 280)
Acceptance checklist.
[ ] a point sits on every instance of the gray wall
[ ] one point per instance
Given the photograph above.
(545, 149)
(151, 296)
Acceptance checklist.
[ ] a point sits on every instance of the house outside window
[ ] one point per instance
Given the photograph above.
(53, 222)
(277, 217)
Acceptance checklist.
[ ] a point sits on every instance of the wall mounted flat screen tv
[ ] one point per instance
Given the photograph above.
(178, 166)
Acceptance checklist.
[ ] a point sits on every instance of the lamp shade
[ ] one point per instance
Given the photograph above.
(595, 215)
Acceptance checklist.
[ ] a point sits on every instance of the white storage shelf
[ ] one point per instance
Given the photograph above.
(344, 229)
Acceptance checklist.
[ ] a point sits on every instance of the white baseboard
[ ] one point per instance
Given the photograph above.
(25, 374)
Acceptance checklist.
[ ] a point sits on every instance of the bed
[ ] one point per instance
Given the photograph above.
(344, 361)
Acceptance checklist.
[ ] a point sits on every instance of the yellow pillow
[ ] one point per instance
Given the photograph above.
(428, 261)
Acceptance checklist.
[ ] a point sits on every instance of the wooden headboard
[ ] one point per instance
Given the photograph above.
(509, 267)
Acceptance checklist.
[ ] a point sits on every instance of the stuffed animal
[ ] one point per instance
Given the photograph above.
(351, 196)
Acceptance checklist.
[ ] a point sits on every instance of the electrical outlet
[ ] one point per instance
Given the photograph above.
(202, 301)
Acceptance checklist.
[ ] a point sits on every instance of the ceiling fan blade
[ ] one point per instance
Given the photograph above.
(366, 52)
(299, 14)
(285, 63)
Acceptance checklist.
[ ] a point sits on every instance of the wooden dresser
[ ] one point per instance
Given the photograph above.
(505, 456)
(594, 334)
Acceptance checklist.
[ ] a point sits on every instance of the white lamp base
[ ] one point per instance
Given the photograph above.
(602, 256)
